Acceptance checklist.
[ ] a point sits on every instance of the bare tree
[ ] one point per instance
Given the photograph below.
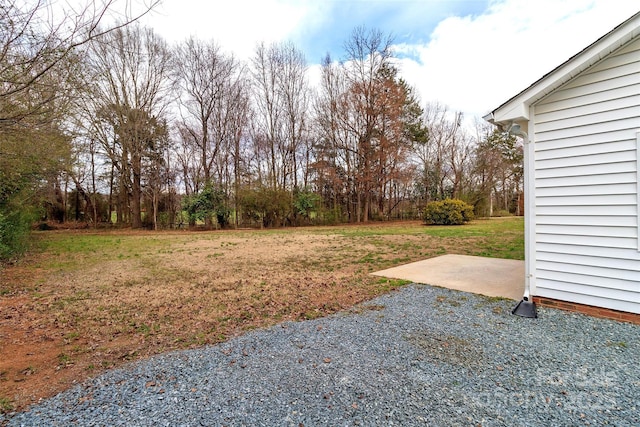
(38, 40)
(367, 119)
(203, 74)
(158, 172)
(212, 90)
(368, 56)
(238, 122)
(130, 69)
(267, 132)
(281, 103)
(497, 170)
(334, 149)
(294, 90)
(434, 150)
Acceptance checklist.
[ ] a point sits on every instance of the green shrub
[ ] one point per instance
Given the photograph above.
(305, 202)
(14, 233)
(269, 206)
(206, 204)
(448, 212)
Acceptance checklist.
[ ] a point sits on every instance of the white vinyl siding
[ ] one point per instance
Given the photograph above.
(587, 201)
(638, 182)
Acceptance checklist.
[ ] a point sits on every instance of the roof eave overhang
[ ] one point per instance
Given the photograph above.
(516, 109)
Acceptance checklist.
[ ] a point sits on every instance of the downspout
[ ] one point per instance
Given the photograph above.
(524, 308)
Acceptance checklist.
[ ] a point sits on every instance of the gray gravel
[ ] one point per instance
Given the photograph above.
(418, 356)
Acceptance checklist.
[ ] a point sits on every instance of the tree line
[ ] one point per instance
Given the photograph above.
(114, 125)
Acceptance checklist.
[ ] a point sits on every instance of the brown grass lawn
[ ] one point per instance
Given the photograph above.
(86, 301)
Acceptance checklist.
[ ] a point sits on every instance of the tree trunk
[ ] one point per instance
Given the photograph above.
(94, 190)
(136, 192)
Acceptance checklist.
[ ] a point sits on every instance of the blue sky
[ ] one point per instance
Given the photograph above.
(470, 55)
(406, 21)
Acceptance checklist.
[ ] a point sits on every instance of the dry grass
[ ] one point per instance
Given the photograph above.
(95, 300)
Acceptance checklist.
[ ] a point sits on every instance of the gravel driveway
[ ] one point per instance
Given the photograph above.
(419, 356)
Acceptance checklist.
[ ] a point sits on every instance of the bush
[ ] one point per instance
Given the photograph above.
(448, 212)
(272, 207)
(14, 233)
(305, 203)
(207, 203)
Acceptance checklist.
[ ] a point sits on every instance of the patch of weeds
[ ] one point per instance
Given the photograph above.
(130, 355)
(77, 349)
(496, 302)
(71, 299)
(370, 258)
(385, 285)
(64, 360)
(450, 301)
(214, 255)
(3, 375)
(143, 329)
(494, 299)
(224, 320)
(5, 405)
(199, 338)
(71, 336)
(400, 260)
(311, 314)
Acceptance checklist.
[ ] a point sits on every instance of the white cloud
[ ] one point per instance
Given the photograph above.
(474, 63)
(237, 26)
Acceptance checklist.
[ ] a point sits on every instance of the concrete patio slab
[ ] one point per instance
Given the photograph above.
(487, 276)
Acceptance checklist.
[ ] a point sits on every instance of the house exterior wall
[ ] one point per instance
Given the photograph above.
(586, 202)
